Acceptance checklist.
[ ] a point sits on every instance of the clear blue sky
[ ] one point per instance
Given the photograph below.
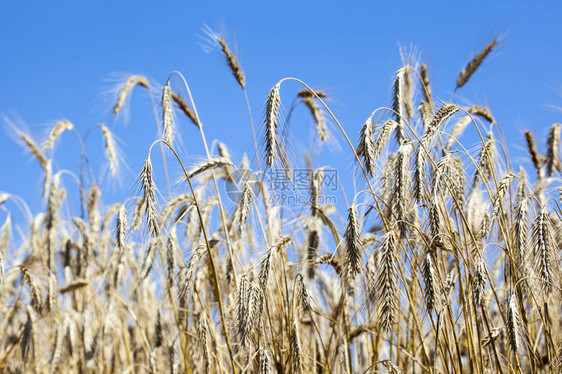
(57, 57)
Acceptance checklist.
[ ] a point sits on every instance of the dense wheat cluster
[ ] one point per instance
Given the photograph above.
(444, 259)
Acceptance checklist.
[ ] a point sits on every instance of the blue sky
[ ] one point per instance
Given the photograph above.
(58, 58)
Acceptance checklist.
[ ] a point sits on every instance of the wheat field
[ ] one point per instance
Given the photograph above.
(444, 258)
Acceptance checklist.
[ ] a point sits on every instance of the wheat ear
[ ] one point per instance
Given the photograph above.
(55, 132)
(185, 108)
(318, 116)
(553, 146)
(168, 114)
(473, 65)
(149, 198)
(126, 88)
(271, 125)
(111, 150)
(232, 63)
